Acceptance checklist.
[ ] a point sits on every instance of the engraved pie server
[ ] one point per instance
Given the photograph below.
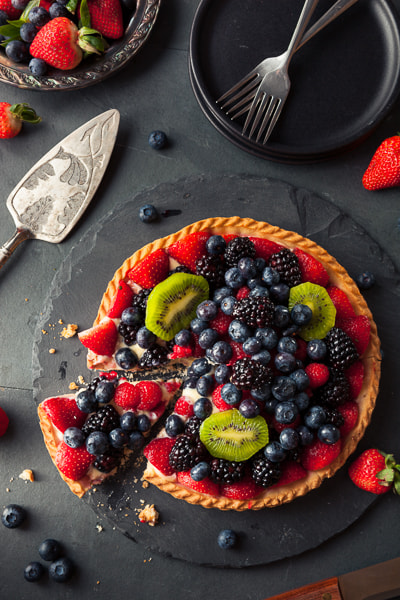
(51, 198)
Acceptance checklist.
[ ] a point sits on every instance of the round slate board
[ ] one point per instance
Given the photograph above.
(189, 532)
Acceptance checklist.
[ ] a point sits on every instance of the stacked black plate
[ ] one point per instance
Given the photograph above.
(344, 81)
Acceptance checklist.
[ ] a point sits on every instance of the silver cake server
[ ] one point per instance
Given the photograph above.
(51, 198)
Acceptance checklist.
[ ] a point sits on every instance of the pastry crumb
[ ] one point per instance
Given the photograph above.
(69, 331)
(81, 380)
(73, 386)
(52, 351)
(44, 332)
(145, 484)
(149, 515)
(99, 528)
(27, 475)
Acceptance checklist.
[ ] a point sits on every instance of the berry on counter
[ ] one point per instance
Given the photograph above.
(365, 280)
(34, 571)
(148, 213)
(13, 516)
(50, 549)
(227, 539)
(61, 570)
(375, 472)
(384, 169)
(12, 117)
(4, 421)
(157, 139)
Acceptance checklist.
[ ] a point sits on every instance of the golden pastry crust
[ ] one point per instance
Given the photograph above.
(371, 359)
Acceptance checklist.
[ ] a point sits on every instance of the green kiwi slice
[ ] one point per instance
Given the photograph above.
(231, 436)
(172, 304)
(324, 312)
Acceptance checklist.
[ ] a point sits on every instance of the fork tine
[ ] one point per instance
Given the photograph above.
(244, 110)
(270, 111)
(255, 113)
(235, 88)
(274, 118)
(248, 88)
(247, 100)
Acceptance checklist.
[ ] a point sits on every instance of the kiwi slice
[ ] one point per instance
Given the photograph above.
(323, 310)
(231, 436)
(172, 304)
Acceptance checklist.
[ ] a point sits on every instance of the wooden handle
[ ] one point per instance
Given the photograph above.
(322, 590)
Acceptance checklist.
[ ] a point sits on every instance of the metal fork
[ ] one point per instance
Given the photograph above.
(247, 95)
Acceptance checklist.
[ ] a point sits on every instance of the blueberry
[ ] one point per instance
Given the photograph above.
(301, 314)
(221, 293)
(302, 401)
(17, 50)
(279, 293)
(274, 452)
(270, 276)
(61, 569)
(86, 401)
(202, 408)
(19, 4)
(247, 267)
(315, 417)
(104, 391)
(27, 32)
(289, 439)
(301, 379)
(306, 436)
(34, 571)
(281, 316)
(328, 434)
(183, 338)
(97, 443)
(268, 337)
(199, 367)
(234, 278)
(13, 516)
(259, 264)
(227, 304)
(132, 316)
(136, 440)
(157, 140)
(207, 310)
(231, 394)
(283, 388)
(208, 338)
(148, 213)
(254, 282)
(252, 345)
(316, 350)
(249, 409)
(200, 471)
(205, 385)
(258, 290)
(286, 412)
(58, 10)
(222, 374)
(262, 357)
(39, 16)
(238, 331)
(190, 382)
(143, 423)
(215, 245)
(221, 352)
(261, 393)
(174, 426)
(227, 539)
(50, 549)
(74, 437)
(3, 17)
(287, 344)
(198, 325)
(128, 421)
(285, 362)
(118, 438)
(145, 338)
(365, 280)
(125, 358)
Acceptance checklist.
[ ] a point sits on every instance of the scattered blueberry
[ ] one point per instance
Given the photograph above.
(19, 4)
(247, 267)
(252, 345)
(199, 367)
(268, 337)
(263, 357)
(125, 358)
(61, 569)
(306, 436)
(198, 325)
(285, 362)
(13, 516)
(227, 539)
(157, 140)
(74, 437)
(281, 316)
(261, 393)
(3, 17)
(283, 388)
(287, 344)
(148, 213)
(302, 401)
(58, 10)
(174, 425)
(221, 293)
(50, 549)
(34, 571)
(270, 276)
(301, 379)
(258, 290)
(279, 292)
(365, 280)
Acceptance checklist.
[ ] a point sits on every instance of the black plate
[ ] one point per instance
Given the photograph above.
(344, 81)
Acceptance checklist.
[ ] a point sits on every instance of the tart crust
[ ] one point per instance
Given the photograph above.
(371, 359)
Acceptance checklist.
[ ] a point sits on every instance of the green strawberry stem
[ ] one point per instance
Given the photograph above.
(390, 475)
(91, 41)
(72, 5)
(84, 14)
(25, 113)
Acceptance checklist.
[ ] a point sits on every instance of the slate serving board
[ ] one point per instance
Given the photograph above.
(189, 532)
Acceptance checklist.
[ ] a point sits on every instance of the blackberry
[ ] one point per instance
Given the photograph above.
(94, 383)
(192, 426)
(211, 268)
(333, 416)
(128, 332)
(264, 472)
(105, 419)
(108, 461)
(180, 269)
(250, 374)
(226, 471)
(335, 392)
(154, 356)
(187, 451)
(340, 349)
(238, 248)
(287, 265)
(255, 311)
(140, 299)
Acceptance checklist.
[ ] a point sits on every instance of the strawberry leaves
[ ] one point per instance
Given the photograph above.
(390, 475)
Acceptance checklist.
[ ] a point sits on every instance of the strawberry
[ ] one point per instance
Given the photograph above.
(221, 323)
(172, 386)
(11, 12)
(64, 413)
(127, 396)
(291, 471)
(242, 490)
(60, 44)
(218, 400)
(198, 351)
(4, 421)
(318, 374)
(319, 455)
(205, 486)
(344, 309)
(157, 411)
(180, 352)
(358, 329)
(376, 472)
(73, 462)
(151, 270)
(184, 407)
(311, 269)
(12, 117)
(189, 249)
(157, 453)
(122, 299)
(355, 376)
(281, 426)
(106, 17)
(384, 169)
(150, 395)
(101, 338)
(265, 248)
(349, 411)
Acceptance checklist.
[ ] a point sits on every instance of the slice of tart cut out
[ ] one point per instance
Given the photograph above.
(123, 412)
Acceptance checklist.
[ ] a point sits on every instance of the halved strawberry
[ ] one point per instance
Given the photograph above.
(64, 413)
(121, 300)
(189, 249)
(150, 394)
(184, 407)
(359, 330)
(355, 376)
(349, 411)
(157, 453)
(311, 269)
(265, 248)
(73, 462)
(343, 306)
(319, 455)
(291, 471)
(127, 396)
(242, 490)
(151, 270)
(205, 486)
(101, 338)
